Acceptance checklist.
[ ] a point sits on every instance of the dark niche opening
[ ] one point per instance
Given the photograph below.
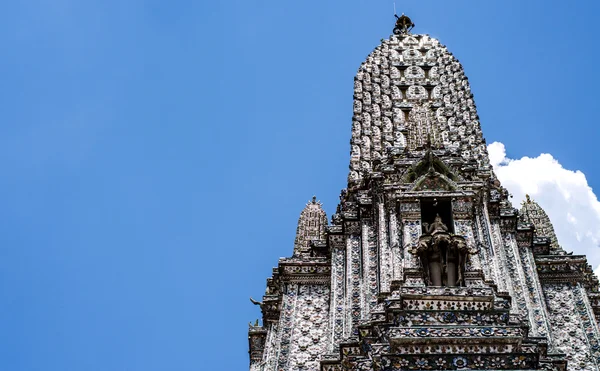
(432, 207)
(442, 254)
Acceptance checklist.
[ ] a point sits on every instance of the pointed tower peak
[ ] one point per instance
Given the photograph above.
(533, 213)
(529, 205)
(311, 226)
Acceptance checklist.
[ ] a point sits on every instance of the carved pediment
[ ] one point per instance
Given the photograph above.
(429, 164)
(434, 182)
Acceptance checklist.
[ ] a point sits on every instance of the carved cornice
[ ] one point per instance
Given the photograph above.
(352, 228)
(541, 245)
(562, 268)
(410, 208)
(524, 234)
(508, 219)
(257, 336)
(308, 271)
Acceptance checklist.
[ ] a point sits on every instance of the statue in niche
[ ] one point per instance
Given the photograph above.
(437, 226)
(443, 256)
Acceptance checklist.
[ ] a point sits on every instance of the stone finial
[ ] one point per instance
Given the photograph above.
(311, 226)
(403, 25)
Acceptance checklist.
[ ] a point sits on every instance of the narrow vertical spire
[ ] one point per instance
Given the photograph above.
(311, 226)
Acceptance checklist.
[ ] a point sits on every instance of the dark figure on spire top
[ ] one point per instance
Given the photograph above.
(403, 25)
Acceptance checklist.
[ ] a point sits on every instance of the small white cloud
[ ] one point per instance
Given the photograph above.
(497, 153)
(564, 194)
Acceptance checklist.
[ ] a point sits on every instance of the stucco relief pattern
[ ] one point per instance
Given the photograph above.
(486, 250)
(385, 252)
(354, 291)
(370, 267)
(567, 328)
(516, 275)
(586, 315)
(500, 262)
(286, 322)
(412, 231)
(338, 305)
(309, 327)
(534, 290)
(396, 245)
(271, 349)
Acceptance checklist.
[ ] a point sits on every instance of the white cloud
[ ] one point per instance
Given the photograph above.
(564, 194)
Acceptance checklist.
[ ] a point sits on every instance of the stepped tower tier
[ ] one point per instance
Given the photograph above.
(425, 264)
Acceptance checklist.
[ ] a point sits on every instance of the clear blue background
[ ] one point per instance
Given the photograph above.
(155, 155)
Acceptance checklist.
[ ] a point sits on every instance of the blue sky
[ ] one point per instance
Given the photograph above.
(156, 155)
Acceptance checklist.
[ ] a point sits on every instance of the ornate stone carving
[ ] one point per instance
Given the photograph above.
(443, 256)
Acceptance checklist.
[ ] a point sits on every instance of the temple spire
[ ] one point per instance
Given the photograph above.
(311, 226)
(533, 213)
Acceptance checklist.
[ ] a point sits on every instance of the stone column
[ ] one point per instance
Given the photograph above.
(338, 308)
(385, 251)
(354, 287)
(395, 245)
(411, 231)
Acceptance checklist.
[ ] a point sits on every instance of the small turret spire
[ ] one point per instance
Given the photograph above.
(533, 213)
(311, 226)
